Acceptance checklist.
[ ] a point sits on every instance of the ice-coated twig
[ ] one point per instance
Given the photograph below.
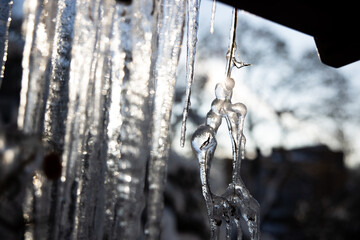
(212, 23)
(231, 59)
(236, 202)
(192, 27)
(232, 43)
(236, 198)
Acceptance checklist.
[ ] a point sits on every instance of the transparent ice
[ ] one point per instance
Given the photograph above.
(170, 21)
(97, 93)
(236, 201)
(97, 88)
(5, 19)
(212, 23)
(192, 28)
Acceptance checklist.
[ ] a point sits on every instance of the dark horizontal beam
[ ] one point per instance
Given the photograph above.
(335, 25)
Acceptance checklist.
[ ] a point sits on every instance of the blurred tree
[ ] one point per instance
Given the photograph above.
(299, 87)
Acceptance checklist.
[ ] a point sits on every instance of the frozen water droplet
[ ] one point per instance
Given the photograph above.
(221, 92)
(203, 139)
(218, 106)
(213, 120)
(240, 108)
(229, 83)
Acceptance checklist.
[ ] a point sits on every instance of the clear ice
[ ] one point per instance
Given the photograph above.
(212, 23)
(192, 27)
(236, 201)
(170, 22)
(97, 89)
(5, 19)
(97, 93)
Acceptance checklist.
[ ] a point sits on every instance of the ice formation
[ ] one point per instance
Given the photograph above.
(98, 86)
(212, 23)
(170, 22)
(5, 18)
(96, 99)
(236, 202)
(192, 27)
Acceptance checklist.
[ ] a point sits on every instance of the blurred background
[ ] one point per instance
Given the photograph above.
(302, 155)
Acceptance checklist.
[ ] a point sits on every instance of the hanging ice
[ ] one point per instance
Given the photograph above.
(192, 27)
(212, 23)
(36, 59)
(97, 93)
(5, 18)
(89, 91)
(236, 201)
(170, 23)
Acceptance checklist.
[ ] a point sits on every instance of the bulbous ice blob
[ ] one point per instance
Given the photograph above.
(239, 108)
(221, 92)
(232, 116)
(229, 83)
(218, 106)
(213, 120)
(203, 139)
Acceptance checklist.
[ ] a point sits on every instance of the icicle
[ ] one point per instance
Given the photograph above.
(135, 109)
(83, 152)
(57, 101)
(192, 27)
(170, 23)
(83, 43)
(204, 145)
(5, 18)
(212, 23)
(115, 177)
(236, 199)
(36, 60)
(87, 92)
(30, 22)
(93, 148)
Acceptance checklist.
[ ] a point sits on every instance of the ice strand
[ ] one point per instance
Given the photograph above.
(231, 43)
(36, 60)
(93, 112)
(212, 22)
(80, 84)
(236, 202)
(93, 145)
(170, 24)
(118, 58)
(5, 19)
(136, 113)
(56, 103)
(58, 95)
(29, 23)
(192, 27)
(204, 145)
